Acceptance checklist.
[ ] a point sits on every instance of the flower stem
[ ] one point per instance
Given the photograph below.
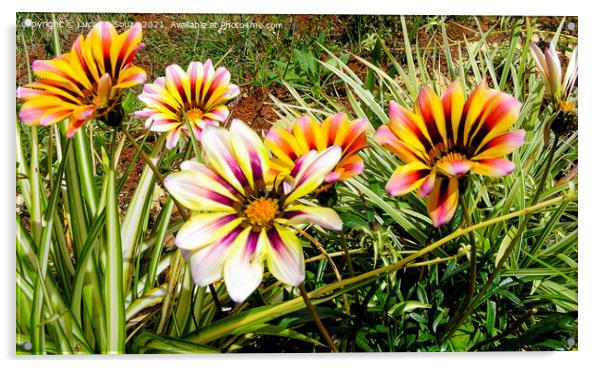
(460, 312)
(316, 318)
(195, 146)
(513, 242)
(333, 265)
(160, 179)
(215, 297)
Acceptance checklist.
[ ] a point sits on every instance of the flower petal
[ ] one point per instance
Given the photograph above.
(428, 184)
(389, 140)
(285, 256)
(454, 166)
(501, 145)
(453, 105)
(406, 178)
(199, 192)
(443, 201)
(177, 83)
(243, 269)
(493, 167)
(220, 156)
(207, 264)
(204, 229)
(310, 173)
(309, 134)
(410, 129)
(283, 145)
(250, 152)
(349, 167)
(431, 109)
(500, 114)
(173, 137)
(322, 216)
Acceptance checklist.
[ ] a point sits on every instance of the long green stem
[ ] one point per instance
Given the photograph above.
(43, 251)
(333, 265)
(195, 146)
(473, 271)
(513, 242)
(113, 280)
(317, 320)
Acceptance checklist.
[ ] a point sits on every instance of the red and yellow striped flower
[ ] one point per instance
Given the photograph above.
(240, 220)
(306, 135)
(85, 83)
(197, 96)
(444, 139)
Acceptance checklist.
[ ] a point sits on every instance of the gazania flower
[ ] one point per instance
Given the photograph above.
(306, 135)
(197, 96)
(444, 139)
(242, 220)
(85, 83)
(558, 87)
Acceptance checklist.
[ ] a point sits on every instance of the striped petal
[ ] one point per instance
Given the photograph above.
(207, 264)
(243, 268)
(348, 167)
(311, 170)
(454, 166)
(220, 156)
(250, 152)
(501, 145)
(385, 137)
(173, 137)
(178, 83)
(427, 185)
(493, 167)
(199, 192)
(309, 134)
(501, 113)
(443, 201)
(410, 129)
(570, 75)
(430, 108)
(301, 214)
(406, 178)
(285, 256)
(283, 145)
(211, 176)
(453, 105)
(473, 109)
(204, 229)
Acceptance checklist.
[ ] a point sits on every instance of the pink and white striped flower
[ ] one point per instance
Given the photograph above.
(559, 87)
(239, 219)
(197, 96)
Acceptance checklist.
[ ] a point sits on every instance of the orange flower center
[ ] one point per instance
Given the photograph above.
(262, 211)
(194, 114)
(566, 106)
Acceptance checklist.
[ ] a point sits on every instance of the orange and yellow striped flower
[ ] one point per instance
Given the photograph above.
(197, 96)
(85, 83)
(446, 138)
(242, 219)
(306, 135)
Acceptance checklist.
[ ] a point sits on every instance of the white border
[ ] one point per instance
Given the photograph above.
(589, 180)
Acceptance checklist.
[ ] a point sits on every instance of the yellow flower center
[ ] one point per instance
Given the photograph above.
(262, 211)
(194, 114)
(566, 106)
